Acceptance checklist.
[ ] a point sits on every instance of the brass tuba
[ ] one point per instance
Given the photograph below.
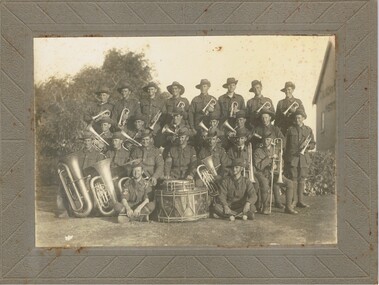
(72, 180)
(103, 189)
(207, 173)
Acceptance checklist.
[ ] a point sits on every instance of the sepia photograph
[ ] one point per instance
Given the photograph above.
(192, 141)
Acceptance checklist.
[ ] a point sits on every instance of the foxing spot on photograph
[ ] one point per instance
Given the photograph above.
(201, 141)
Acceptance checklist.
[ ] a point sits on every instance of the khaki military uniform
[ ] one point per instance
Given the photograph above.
(197, 105)
(252, 107)
(285, 121)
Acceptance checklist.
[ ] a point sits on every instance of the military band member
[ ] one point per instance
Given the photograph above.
(198, 103)
(263, 159)
(137, 198)
(240, 124)
(176, 101)
(239, 149)
(255, 103)
(106, 134)
(170, 134)
(300, 140)
(137, 129)
(180, 160)
(150, 156)
(129, 102)
(287, 106)
(152, 105)
(102, 104)
(228, 98)
(119, 155)
(219, 156)
(237, 194)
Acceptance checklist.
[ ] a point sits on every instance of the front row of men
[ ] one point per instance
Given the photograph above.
(179, 160)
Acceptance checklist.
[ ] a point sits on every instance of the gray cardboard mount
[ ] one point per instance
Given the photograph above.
(352, 260)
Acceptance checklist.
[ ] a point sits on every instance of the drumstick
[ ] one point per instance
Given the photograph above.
(239, 215)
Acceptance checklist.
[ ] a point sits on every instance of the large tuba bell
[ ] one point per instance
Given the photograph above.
(207, 173)
(72, 180)
(103, 189)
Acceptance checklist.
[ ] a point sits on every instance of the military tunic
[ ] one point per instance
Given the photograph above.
(226, 101)
(285, 121)
(197, 105)
(171, 104)
(130, 103)
(183, 162)
(252, 107)
(119, 156)
(152, 160)
(135, 192)
(95, 108)
(150, 107)
(261, 130)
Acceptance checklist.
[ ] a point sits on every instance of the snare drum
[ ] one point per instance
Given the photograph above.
(180, 201)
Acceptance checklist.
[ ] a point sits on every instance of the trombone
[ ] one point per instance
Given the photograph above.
(212, 103)
(101, 114)
(155, 120)
(294, 105)
(124, 113)
(233, 109)
(266, 105)
(277, 149)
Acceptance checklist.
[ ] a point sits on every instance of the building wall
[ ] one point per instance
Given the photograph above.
(326, 104)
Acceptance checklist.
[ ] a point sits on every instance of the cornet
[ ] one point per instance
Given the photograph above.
(294, 104)
(227, 126)
(181, 104)
(202, 125)
(233, 109)
(103, 113)
(307, 141)
(166, 130)
(212, 103)
(266, 105)
(129, 138)
(122, 121)
(155, 120)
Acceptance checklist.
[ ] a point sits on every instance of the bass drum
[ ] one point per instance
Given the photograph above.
(180, 201)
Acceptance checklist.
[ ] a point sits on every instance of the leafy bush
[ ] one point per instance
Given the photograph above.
(321, 179)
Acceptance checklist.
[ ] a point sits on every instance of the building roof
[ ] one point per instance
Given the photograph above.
(323, 68)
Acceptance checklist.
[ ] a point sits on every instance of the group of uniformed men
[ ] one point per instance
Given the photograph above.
(175, 136)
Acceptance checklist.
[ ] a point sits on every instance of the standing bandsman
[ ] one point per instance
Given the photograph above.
(152, 105)
(263, 160)
(119, 155)
(95, 108)
(176, 102)
(198, 104)
(257, 103)
(180, 160)
(300, 140)
(230, 98)
(150, 156)
(137, 198)
(286, 107)
(237, 194)
(128, 106)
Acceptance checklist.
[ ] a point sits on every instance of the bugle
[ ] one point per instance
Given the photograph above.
(293, 105)
(124, 113)
(155, 120)
(266, 105)
(212, 103)
(203, 126)
(233, 109)
(72, 180)
(101, 114)
(307, 141)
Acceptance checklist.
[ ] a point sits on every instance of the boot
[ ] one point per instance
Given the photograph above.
(276, 191)
(289, 200)
(300, 193)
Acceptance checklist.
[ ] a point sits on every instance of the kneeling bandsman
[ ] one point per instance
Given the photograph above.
(237, 194)
(137, 198)
(264, 157)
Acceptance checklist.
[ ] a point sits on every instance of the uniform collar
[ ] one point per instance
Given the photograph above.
(258, 96)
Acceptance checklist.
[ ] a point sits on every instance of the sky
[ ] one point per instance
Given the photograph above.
(271, 59)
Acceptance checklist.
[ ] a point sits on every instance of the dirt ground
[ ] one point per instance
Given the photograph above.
(314, 225)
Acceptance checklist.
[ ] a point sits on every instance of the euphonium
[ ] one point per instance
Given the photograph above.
(294, 104)
(122, 121)
(233, 109)
(103, 189)
(266, 105)
(155, 120)
(203, 126)
(103, 113)
(211, 102)
(207, 173)
(73, 183)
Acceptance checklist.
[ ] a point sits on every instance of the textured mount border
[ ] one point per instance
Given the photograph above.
(353, 260)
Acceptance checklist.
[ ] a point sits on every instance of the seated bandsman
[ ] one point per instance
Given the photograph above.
(237, 194)
(265, 126)
(92, 113)
(199, 140)
(136, 130)
(300, 140)
(240, 124)
(87, 156)
(137, 198)
(170, 131)
(239, 149)
(151, 106)
(219, 156)
(128, 106)
(176, 102)
(106, 134)
(286, 107)
(230, 99)
(257, 103)
(263, 160)
(150, 156)
(180, 160)
(119, 156)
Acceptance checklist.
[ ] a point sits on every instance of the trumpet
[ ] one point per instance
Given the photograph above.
(181, 104)
(124, 113)
(266, 105)
(101, 114)
(307, 141)
(233, 109)
(129, 138)
(202, 125)
(212, 103)
(294, 105)
(207, 173)
(278, 148)
(155, 120)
